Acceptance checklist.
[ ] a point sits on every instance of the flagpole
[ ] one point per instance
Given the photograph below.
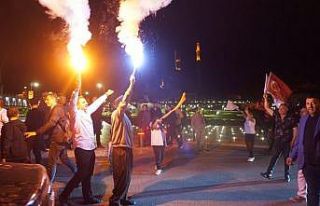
(265, 84)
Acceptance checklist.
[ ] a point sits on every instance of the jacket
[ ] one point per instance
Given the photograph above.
(14, 145)
(297, 151)
(54, 125)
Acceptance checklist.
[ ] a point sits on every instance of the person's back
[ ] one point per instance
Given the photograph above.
(197, 121)
(34, 119)
(121, 130)
(14, 145)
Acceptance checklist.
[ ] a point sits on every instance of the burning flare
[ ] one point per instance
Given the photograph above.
(131, 13)
(76, 13)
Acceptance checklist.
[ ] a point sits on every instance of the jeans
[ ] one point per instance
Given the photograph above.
(58, 151)
(249, 139)
(281, 148)
(159, 155)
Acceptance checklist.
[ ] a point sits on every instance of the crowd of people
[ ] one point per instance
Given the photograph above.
(78, 123)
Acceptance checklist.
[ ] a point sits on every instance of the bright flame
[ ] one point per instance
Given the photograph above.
(78, 60)
(131, 13)
(76, 13)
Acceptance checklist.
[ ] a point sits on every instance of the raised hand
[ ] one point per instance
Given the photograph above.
(109, 92)
(30, 134)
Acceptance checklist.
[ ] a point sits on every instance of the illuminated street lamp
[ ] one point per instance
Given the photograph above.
(34, 85)
(99, 87)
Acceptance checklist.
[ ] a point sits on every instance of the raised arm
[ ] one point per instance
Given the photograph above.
(266, 105)
(75, 94)
(127, 95)
(98, 102)
(182, 100)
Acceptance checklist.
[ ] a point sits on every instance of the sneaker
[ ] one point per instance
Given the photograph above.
(158, 172)
(266, 175)
(297, 199)
(287, 178)
(251, 159)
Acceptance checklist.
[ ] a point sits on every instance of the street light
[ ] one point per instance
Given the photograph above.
(99, 86)
(34, 84)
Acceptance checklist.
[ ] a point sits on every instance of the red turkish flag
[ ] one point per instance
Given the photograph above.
(279, 90)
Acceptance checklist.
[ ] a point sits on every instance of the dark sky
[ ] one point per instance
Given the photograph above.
(240, 41)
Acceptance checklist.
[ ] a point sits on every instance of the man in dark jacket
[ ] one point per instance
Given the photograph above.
(306, 150)
(14, 146)
(54, 126)
(34, 120)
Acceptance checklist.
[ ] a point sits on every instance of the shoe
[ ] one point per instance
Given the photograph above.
(251, 159)
(92, 200)
(158, 172)
(266, 175)
(287, 178)
(127, 202)
(297, 199)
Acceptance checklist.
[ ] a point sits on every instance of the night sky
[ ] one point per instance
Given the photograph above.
(240, 41)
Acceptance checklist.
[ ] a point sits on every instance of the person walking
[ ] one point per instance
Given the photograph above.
(55, 127)
(198, 125)
(284, 132)
(298, 156)
(306, 150)
(34, 120)
(121, 143)
(85, 143)
(249, 132)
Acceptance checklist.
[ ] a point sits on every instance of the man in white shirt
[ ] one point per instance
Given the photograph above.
(84, 143)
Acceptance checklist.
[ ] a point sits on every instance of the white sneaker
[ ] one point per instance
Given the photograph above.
(251, 159)
(158, 172)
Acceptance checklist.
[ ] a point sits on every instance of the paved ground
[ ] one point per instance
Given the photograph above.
(219, 177)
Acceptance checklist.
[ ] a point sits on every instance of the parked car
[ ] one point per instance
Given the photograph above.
(24, 184)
